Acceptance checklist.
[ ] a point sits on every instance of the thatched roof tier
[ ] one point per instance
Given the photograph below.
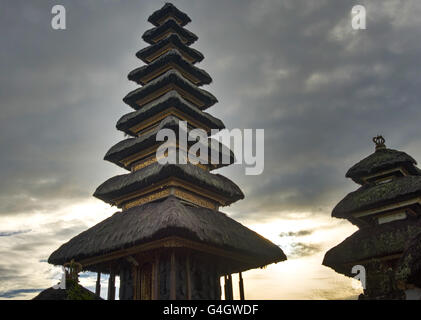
(130, 146)
(170, 26)
(409, 267)
(170, 80)
(124, 184)
(168, 10)
(383, 240)
(157, 220)
(169, 100)
(173, 41)
(373, 195)
(381, 160)
(172, 59)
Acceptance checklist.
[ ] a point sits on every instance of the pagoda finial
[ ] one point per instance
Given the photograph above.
(379, 141)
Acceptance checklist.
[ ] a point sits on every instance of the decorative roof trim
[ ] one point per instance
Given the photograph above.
(393, 206)
(386, 172)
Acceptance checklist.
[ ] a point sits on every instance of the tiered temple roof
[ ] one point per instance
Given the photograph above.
(223, 190)
(372, 196)
(170, 103)
(382, 162)
(123, 152)
(170, 80)
(385, 240)
(168, 207)
(169, 11)
(386, 209)
(172, 41)
(158, 220)
(170, 60)
(170, 26)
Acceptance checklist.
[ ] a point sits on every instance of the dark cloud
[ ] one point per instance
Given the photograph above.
(301, 249)
(12, 233)
(307, 232)
(18, 292)
(300, 233)
(319, 89)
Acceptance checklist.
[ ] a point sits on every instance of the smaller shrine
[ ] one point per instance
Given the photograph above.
(69, 287)
(386, 208)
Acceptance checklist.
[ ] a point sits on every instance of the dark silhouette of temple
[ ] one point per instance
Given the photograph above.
(170, 241)
(386, 209)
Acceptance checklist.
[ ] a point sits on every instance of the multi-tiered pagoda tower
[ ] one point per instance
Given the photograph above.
(387, 210)
(169, 241)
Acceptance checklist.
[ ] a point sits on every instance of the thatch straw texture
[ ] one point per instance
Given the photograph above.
(130, 146)
(174, 27)
(409, 268)
(170, 77)
(172, 56)
(382, 159)
(157, 220)
(368, 243)
(170, 99)
(173, 40)
(133, 181)
(373, 195)
(168, 9)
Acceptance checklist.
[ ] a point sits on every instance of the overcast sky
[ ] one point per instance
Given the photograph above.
(296, 69)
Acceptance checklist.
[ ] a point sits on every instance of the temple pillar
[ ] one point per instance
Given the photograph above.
(228, 288)
(111, 286)
(176, 275)
(98, 284)
(126, 284)
(188, 276)
(173, 281)
(241, 285)
(155, 280)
